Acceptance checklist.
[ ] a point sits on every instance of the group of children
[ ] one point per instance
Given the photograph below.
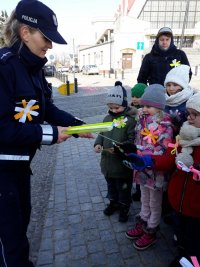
(155, 143)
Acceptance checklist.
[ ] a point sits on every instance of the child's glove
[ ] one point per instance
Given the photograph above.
(176, 118)
(128, 147)
(139, 163)
(125, 148)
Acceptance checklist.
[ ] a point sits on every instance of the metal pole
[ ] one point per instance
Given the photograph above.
(115, 74)
(74, 57)
(68, 91)
(75, 85)
(122, 74)
(184, 23)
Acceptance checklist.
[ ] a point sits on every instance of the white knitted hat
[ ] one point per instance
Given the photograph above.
(178, 75)
(194, 102)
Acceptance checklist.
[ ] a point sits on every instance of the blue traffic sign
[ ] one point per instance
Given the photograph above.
(140, 45)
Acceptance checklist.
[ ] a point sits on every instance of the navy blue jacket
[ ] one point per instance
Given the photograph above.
(156, 64)
(21, 78)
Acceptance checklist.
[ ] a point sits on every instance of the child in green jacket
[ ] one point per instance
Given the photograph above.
(118, 177)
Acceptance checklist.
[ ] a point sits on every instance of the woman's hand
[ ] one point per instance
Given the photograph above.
(85, 135)
(62, 136)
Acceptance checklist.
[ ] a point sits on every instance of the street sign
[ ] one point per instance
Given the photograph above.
(140, 45)
(51, 57)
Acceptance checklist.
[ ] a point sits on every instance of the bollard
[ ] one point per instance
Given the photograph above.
(109, 74)
(196, 70)
(66, 78)
(115, 74)
(104, 73)
(68, 91)
(122, 74)
(75, 85)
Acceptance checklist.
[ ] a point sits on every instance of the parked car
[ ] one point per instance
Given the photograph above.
(49, 70)
(90, 69)
(75, 69)
(63, 69)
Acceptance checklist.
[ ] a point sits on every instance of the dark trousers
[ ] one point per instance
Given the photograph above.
(119, 190)
(15, 209)
(188, 233)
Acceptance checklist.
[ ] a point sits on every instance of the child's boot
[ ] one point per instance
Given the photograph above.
(111, 208)
(138, 230)
(123, 213)
(147, 239)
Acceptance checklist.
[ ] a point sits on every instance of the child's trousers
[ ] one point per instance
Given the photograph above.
(151, 206)
(119, 190)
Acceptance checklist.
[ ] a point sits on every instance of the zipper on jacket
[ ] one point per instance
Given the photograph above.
(2, 253)
(184, 186)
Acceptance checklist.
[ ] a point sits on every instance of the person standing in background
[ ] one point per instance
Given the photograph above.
(136, 93)
(163, 57)
(25, 104)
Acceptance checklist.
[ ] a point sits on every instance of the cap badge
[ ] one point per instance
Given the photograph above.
(55, 20)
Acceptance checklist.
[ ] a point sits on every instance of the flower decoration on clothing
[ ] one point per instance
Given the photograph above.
(120, 122)
(174, 146)
(26, 111)
(150, 135)
(175, 63)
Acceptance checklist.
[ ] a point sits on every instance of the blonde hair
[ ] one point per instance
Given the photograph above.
(11, 30)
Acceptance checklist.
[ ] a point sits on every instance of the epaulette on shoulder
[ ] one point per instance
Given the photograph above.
(5, 54)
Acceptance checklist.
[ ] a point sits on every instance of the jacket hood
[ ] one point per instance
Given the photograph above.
(156, 48)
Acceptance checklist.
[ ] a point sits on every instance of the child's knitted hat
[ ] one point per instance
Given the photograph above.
(154, 96)
(117, 95)
(138, 90)
(194, 102)
(178, 75)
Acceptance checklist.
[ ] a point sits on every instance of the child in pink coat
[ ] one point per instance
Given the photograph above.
(153, 134)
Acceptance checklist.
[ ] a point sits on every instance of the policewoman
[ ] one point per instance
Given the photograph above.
(24, 106)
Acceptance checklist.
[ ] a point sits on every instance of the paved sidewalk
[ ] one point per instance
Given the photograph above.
(68, 227)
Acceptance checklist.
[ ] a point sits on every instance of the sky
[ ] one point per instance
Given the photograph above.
(74, 17)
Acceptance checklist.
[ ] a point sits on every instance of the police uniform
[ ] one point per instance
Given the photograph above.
(24, 106)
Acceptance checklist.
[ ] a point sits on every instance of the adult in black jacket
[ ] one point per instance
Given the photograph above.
(24, 106)
(163, 57)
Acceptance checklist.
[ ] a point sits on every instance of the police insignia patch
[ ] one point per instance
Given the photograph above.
(55, 20)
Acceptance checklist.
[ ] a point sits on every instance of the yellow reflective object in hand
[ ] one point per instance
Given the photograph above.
(90, 128)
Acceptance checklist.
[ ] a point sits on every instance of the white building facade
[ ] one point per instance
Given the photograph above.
(121, 42)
